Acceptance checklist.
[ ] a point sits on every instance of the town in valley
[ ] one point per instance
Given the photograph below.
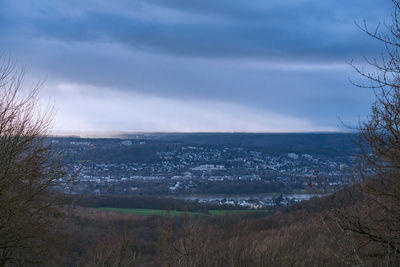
(219, 169)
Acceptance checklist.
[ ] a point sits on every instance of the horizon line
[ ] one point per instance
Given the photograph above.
(119, 134)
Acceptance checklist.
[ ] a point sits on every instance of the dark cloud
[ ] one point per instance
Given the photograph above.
(286, 57)
(317, 30)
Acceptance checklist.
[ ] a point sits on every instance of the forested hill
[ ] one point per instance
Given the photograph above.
(313, 143)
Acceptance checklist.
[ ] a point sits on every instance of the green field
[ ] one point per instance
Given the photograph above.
(148, 212)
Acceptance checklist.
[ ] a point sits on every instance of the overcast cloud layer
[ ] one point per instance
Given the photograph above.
(180, 65)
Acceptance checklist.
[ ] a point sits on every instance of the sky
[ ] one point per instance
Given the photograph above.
(195, 65)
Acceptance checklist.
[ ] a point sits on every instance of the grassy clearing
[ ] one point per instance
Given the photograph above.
(148, 212)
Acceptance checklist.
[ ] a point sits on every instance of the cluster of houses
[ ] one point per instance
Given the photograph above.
(180, 168)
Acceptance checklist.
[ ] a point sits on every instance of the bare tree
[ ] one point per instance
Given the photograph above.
(28, 170)
(374, 220)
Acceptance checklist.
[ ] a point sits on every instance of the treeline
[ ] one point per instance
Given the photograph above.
(243, 187)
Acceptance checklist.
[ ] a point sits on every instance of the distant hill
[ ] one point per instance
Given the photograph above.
(313, 143)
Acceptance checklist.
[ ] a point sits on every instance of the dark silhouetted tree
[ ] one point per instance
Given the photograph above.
(28, 170)
(373, 223)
